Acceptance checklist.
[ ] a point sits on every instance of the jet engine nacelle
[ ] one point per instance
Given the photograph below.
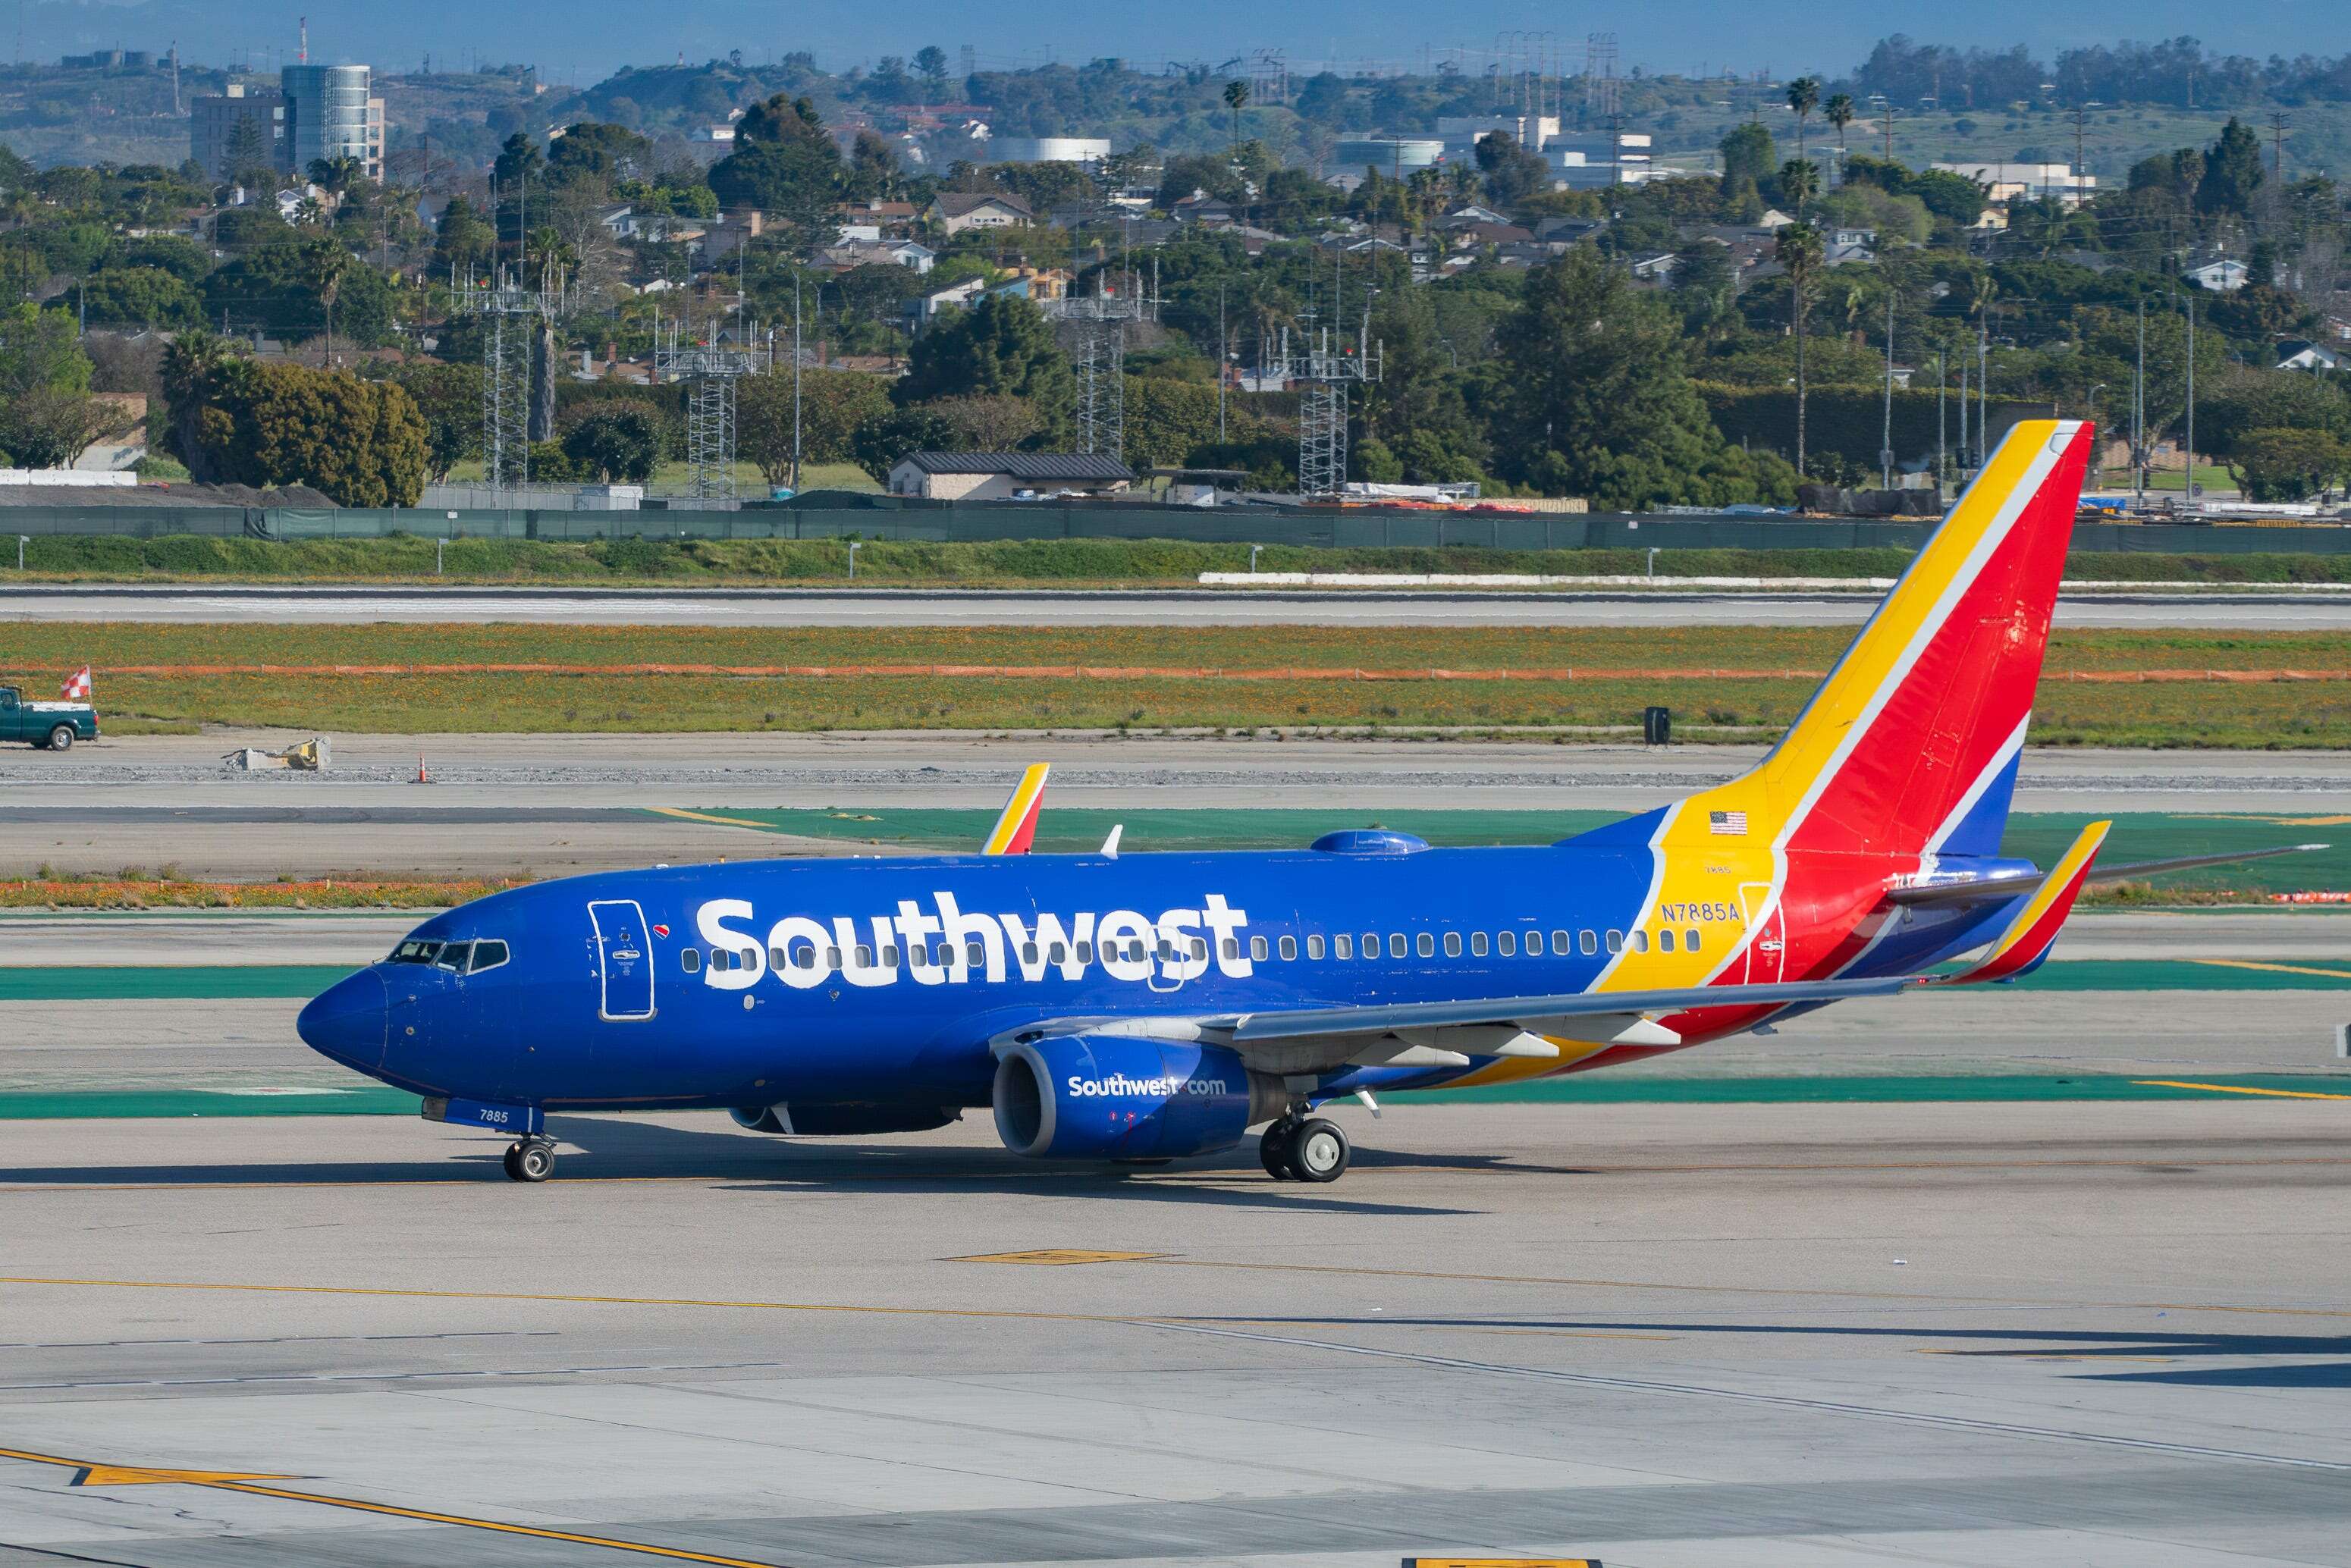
(836, 1121)
(1113, 1097)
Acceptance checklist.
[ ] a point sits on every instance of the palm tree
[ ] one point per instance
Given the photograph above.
(1839, 113)
(1803, 97)
(1235, 95)
(1799, 182)
(331, 262)
(1799, 256)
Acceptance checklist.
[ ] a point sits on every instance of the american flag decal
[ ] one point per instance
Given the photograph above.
(1727, 825)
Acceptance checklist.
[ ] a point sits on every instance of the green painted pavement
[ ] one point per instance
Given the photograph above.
(1592, 1088)
(69, 1104)
(2039, 836)
(152, 982)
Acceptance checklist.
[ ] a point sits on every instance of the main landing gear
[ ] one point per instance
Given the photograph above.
(1313, 1148)
(533, 1159)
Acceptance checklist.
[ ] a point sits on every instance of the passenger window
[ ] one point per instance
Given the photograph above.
(1057, 953)
(1689, 939)
(1371, 944)
(1314, 946)
(1200, 947)
(1342, 946)
(454, 956)
(1666, 940)
(1616, 941)
(865, 956)
(1506, 943)
(1534, 944)
(1232, 947)
(1476, 944)
(691, 958)
(777, 958)
(832, 959)
(1029, 952)
(1085, 951)
(487, 956)
(1288, 948)
(1640, 941)
(975, 953)
(1396, 943)
(1559, 943)
(1424, 945)
(1453, 943)
(1257, 949)
(1588, 940)
(890, 956)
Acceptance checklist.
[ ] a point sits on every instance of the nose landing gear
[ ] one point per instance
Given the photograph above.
(1312, 1149)
(533, 1159)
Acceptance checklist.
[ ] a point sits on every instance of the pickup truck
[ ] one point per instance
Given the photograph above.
(51, 726)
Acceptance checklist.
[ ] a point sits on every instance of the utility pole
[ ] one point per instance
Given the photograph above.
(1889, 132)
(2189, 301)
(796, 382)
(1984, 389)
(1886, 445)
(2278, 122)
(1941, 465)
(1963, 412)
(1224, 358)
(2138, 416)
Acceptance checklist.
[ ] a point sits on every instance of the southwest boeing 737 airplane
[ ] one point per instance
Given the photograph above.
(1141, 1008)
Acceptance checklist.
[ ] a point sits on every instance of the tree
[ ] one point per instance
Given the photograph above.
(1799, 182)
(183, 257)
(834, 404)
(46, 414)
(2286, 465)
(277, 290)
(1512, 174)
(784, 163)
(1798, 252)
(618, 442)
(232, 420)
(597, 154)
(882, 441)
(988, 422)
(1746, 156)
(2233, 172)
(140, 297)
(1839, 113)
(1002, 344)
(1592, 398)
(247, 154)
(465, 240)
(448, 398)
(1803, 97)
(518, 160)
(931, 65)
(329, 264)
(1237, 93)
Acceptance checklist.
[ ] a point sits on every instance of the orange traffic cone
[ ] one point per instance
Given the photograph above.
(422, 776)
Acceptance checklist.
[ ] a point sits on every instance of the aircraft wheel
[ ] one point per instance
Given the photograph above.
(1273, 1149)
(1318, 1151)
(531, 1161)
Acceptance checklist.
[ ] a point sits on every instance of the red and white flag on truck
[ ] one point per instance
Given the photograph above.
(77, 686)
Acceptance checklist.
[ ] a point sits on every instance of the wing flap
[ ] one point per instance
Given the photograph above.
(1533, 1013)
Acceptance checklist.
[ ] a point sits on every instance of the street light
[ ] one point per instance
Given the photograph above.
(853, 558)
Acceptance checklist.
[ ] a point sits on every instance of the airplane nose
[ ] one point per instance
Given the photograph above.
(347, 1020)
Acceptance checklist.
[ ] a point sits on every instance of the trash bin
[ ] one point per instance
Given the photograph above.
(1656, 726)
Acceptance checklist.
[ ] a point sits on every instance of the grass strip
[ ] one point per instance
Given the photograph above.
(112, 1104)
(167, 890)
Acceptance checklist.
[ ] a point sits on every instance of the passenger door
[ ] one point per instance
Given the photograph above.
(624, 959)
(12, 718)
(1766, 933)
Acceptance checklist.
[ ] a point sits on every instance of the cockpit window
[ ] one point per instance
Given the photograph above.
(415, 952)
(454, 958)
(487, 956)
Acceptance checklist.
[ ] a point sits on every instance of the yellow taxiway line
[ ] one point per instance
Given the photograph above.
(2273, 968)
(89, 1473)
(2238, 1089)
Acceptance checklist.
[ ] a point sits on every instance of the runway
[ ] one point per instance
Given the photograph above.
(2233, 608)
(1711, 1335)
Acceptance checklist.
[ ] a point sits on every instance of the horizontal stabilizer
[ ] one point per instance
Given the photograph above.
(2024, 944)
(1989, 889)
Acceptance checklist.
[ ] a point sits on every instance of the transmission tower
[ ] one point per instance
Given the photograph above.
(1600, 99)
(1100, 322)
(512, 318)
(710, 368)
(1326, 366)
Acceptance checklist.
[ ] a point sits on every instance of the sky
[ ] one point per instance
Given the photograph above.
(584, 40)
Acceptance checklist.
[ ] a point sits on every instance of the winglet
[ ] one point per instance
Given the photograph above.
(1016, 828)
(2025, 945)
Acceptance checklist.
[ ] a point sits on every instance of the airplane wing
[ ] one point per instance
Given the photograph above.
(1988, 888)
(1532, 1012)
(1016, 829)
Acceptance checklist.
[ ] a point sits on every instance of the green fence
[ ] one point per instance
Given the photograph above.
(893, 517)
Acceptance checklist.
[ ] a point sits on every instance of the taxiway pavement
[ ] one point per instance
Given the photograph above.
(2279, 610)
(1660, 1335)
